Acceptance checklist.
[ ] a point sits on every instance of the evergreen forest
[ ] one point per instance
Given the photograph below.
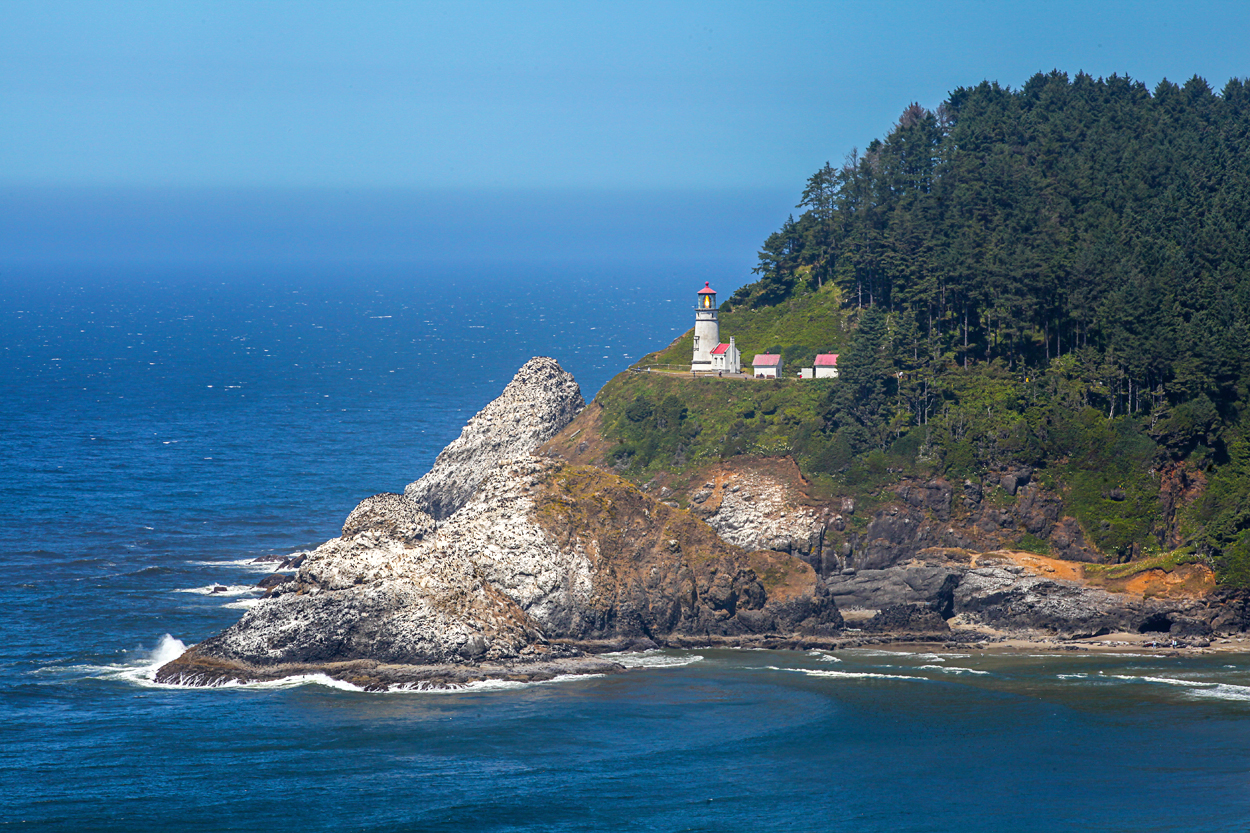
(1055, 276)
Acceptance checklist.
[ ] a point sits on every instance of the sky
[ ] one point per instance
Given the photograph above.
(540, 95)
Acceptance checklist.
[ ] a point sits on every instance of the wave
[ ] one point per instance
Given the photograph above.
(823, 657)
(928, 656)
(242, 604)
(847, 675)
(140, 670)
(953, 669)
(249, 564)
(326, 681)
(1161, 680)
(1223, 691)
(482, 685)
(229, 590)
(1204, 689)
(651, 659)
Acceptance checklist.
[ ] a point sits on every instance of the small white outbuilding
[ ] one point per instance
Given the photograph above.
(766, 365)
(826, 366)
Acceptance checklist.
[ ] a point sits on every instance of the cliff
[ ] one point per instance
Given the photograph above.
(891, 554)
(522, 554)
(500, 564)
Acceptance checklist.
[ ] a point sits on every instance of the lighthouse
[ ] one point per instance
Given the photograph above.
(709, 354)
(706, 329)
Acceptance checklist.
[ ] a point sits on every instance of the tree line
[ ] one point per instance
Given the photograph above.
(1056, 275)
(1080, 217)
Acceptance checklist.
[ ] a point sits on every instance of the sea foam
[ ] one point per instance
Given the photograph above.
(651, 659)
(230, 590)
(952, 669)
(847, 675)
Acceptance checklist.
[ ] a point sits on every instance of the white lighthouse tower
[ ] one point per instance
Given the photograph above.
(706, 330)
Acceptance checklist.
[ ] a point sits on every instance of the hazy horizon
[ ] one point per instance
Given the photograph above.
(497, 95)
(327, 226)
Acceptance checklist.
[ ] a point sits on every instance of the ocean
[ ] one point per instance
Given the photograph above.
(194, 380)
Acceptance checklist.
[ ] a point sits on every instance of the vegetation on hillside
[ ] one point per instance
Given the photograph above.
(798, 327)
(1055, 276)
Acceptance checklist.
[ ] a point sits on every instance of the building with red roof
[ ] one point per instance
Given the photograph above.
(727, 358)
(826, 365)
(767, 366)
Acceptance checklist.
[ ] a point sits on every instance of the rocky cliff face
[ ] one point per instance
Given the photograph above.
(936, 547)
(503, 564)
(530, 562)
(540, 400)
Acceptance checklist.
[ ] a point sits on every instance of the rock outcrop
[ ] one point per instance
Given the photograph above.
(539, 401)
(500, 563)
(530, 564)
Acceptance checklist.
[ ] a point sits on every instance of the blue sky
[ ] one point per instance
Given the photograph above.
(532, 95)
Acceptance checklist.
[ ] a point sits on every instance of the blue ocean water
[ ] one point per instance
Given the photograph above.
(180, 396)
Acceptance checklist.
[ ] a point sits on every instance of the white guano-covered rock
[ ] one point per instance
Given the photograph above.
(539, 401)
(759, 513)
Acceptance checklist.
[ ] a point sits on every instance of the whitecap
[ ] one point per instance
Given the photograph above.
(1223, 691)
(822, 656)
(326, 681)
(1161, 680)
(141, 670)
(242, 604)
(877, 652)
(651, 659)
(847, 675)
(230, 590)
(482, 685)
(953, 669)
(249, 564)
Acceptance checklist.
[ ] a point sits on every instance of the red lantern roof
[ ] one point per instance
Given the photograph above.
(707, 289)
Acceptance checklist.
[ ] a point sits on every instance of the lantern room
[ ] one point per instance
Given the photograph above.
(707, 296)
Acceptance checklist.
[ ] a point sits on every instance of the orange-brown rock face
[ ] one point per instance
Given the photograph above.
(659, 571)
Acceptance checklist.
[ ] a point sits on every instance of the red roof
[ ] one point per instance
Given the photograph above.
(719, 349)
(827, 360)
(766, 360)
(707, 289)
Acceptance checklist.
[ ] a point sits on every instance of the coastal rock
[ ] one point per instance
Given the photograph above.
(543, 561)
(388, 517)
(658, 572)
(539, 561)
(913, 582)
(913, 619)
(1008, 596)
(539, 401)
(759, 510)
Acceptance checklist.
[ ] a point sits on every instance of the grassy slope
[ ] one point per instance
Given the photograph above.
(664, 422)
(655, 422)
(810, 323)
